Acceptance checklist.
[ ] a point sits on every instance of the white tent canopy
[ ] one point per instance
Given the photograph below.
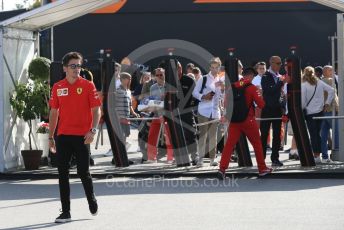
(18, 46)
(54, 14)
(336, 4)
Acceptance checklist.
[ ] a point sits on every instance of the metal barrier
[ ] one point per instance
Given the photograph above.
(142, 118)
(328, 117)
(269, 119)
(208, 122)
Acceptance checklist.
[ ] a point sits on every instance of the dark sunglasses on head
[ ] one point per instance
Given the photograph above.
(74, 66)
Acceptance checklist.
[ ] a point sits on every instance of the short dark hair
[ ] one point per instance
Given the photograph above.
(261, 63)
(248, 71)
(196, 70)
(125, 75)
(71, 55)
(190, 66)
(318, 69)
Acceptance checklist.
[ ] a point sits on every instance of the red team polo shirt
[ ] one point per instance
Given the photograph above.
(74, 103)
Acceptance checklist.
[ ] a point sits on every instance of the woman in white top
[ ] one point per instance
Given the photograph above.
(313, 102)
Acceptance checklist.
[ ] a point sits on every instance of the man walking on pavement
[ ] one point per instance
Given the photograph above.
(70, 97)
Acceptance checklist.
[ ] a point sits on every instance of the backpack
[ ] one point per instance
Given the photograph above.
(240, 108)
(196, 101)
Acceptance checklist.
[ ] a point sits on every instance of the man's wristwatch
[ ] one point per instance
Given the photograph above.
(93, 130)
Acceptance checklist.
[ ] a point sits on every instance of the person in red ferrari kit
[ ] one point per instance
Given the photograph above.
(75, 104)
(246, 125)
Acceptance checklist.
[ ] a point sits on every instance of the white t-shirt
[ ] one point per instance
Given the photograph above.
(118, 83)
(315, 105)
(208, 108)
(257, 81)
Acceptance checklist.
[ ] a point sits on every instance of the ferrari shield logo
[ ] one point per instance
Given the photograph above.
(79, 90)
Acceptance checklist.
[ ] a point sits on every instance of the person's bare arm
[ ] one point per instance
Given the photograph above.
(53, 118)
(96, 116)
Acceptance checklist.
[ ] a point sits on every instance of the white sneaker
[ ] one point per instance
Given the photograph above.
(200, 163)
(127, 146)
(108, 154)
(172, 162)
(317, 160)
(327, 161)
(213, 162)
(150, 162)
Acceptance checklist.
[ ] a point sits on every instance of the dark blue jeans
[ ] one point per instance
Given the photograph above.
(314, 131)
(325, 129)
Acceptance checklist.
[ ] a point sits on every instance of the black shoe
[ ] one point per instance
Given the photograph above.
(63, 218)
(294, 157)
(131, 162)
(221, 175)
(143, 161)
(73, 164)
(276, 163)
(113, 161)
(281, 148)
(234, 158)
(184, 165)
(268, 147)
(93, 206)
(91, 161)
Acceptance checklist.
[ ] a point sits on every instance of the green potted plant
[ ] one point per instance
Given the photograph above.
(30, 101)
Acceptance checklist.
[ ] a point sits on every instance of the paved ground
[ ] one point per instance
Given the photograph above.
(162, 196)
(103, 167)
(179, 203)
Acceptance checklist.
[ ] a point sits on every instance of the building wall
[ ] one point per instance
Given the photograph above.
(256, 30)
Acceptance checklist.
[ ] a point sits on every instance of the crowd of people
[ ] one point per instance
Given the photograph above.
(258, 92)
(205, 103)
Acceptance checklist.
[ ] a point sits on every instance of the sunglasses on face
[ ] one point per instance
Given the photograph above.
(74, 66)
(159, 75)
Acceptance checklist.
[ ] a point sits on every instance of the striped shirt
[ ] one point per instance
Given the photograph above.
(123, 102)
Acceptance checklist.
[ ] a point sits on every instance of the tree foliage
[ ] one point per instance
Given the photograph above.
(39, 69)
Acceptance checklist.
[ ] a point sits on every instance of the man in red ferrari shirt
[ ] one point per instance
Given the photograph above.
(248, 126)
(75, 105)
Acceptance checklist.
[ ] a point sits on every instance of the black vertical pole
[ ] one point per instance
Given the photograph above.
(231, 68)
(172, 115)
(295, 111)
(113, 125)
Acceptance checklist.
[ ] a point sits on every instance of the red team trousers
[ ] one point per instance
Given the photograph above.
(248, 127)
(153, 138)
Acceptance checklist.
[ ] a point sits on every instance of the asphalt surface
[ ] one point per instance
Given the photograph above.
(178, 203)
